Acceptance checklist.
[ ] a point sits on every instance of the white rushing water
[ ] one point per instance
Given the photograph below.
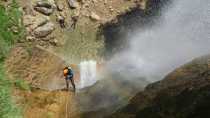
(88, 73)
(181, 34)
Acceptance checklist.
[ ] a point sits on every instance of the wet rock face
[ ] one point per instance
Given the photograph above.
(184, 93)
(114, 32)
(38, 67)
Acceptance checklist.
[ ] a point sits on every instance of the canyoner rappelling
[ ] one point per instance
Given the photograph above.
(82, 75)
(104, 58)
(69, 77)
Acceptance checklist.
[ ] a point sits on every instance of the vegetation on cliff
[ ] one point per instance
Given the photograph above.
(11, 29)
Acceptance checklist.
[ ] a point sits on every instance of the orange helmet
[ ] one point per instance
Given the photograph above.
(65, 71)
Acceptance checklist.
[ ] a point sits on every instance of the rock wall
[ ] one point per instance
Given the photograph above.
(38, 14)
(115, 32)
(38, 67)
(184, 93)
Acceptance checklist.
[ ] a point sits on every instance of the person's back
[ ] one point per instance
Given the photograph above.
(70, 72)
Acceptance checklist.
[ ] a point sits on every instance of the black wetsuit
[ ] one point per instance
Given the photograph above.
(74, 20)
(61, 21)
(68, 78)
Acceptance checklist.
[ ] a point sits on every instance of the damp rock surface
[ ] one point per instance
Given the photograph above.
(183, 93)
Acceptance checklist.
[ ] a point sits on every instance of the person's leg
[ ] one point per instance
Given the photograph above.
(72, 82)
(74, 25)
(67, 84)
(63, 24)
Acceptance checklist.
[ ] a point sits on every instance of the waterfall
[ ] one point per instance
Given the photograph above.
(87, 74)
(181, 34)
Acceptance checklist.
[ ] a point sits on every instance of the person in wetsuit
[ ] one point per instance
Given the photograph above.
(69, 75)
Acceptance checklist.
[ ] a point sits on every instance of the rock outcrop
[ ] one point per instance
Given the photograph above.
(44, 7)
(60, 6)
(79, 15)
(94, 16)
(184, 93)
(38, 27)
(44, 30)
(33, 22)
(38, 67)
(73, 4)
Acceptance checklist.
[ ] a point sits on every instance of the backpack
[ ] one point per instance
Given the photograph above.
(70, 72)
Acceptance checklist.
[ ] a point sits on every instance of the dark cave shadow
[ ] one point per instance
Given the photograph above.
(114, 32)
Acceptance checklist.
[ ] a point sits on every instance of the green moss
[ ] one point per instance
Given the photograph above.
(11, 29)
(21, 84)
(8, 109)
(50, 114)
